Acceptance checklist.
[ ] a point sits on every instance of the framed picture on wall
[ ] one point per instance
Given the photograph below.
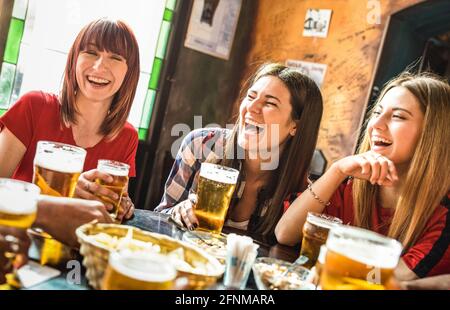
(314, 70)
(212, 26)
(317, 23)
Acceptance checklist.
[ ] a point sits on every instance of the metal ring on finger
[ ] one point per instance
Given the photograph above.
(192, 197)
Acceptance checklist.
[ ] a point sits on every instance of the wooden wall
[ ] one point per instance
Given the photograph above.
(350, 52)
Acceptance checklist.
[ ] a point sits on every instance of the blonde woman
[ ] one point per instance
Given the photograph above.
(398, 183)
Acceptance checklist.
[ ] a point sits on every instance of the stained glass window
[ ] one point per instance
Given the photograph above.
(35, 52)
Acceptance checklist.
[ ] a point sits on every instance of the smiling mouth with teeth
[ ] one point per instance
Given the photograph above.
(380, 141)
(97, 81)
(254, 128)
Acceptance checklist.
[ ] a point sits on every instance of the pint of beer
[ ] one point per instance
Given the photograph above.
(215, 189)
(18, 203)
(57, 167)
(315, 234)
(18, 208)
(138, 271)
(358, 259)
(119, 172)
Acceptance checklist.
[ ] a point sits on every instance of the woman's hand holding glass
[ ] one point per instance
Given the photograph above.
(98, 185)
(370, 166)
(183, 213)
(87, 188)
(126, 209)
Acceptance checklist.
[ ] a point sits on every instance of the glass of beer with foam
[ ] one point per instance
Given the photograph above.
(358, 259)
(215, 189)
(18, 208)
(18, 203)
(129, 270)
(119, 172)
(315, 234)
(57, 167)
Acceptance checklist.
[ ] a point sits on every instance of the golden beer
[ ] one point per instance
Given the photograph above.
(57, 167)
(119, 171)
(138, 271)
(18, 208)
(315, 234)
(358, 259)
(18, 203)
(319, 264)
(215, 189)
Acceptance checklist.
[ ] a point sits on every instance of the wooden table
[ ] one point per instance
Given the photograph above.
(157, 222)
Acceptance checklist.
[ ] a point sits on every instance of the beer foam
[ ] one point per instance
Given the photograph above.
(121, 172)
(219, 173)
(15, 201)
(58, 161)
(143, 266)
(378, 251)
(323, 220)
(60, 157)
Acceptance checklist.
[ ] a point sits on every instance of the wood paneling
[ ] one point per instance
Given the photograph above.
(350, 52)
(202, 86)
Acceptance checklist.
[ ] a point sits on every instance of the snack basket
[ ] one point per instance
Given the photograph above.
(96, 254)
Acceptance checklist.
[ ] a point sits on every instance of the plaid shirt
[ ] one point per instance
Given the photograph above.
(197, 147)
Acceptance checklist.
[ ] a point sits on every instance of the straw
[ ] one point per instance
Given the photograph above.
(241, 254)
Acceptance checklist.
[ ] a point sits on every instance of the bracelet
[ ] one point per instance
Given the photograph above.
(326, 204)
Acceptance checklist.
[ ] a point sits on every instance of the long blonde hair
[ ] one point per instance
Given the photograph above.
(428, 179)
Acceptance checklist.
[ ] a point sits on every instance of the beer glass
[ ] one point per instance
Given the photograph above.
(119, 172)
(215, 189)
(358, 259)
(18, 208)
(138, 271)
(18, 203)
(57, 167)
(315, 233)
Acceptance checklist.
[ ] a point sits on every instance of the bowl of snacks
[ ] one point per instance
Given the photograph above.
(275, 274)
(214, 244)
(97, 241)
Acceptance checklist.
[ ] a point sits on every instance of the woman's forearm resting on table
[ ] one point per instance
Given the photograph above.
(289, 229)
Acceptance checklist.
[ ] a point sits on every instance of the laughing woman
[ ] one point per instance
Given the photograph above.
(399, 182)
(100, 81)
(279, 116)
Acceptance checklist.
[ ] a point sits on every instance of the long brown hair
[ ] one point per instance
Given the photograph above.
(428, 179)
(113, 36)
(294, 162)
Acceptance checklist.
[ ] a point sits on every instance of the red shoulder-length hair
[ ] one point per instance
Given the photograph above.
(113, 36)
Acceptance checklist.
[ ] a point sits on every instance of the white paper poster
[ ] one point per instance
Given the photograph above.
(212, 26)
(317, 23)
(314, 70)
